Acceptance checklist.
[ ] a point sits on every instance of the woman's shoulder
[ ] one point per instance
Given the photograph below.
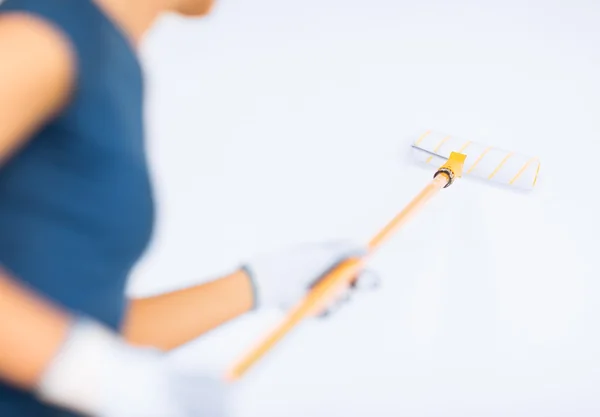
(92, 37)
(36, 75)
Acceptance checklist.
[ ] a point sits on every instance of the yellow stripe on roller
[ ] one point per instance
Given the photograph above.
(521, 171)
(437, 148)
(500, 165)
(484, 153)
(465, 146)
(423, 136)
(537, 173)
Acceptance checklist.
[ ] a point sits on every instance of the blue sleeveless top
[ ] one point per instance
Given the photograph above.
(76, 208)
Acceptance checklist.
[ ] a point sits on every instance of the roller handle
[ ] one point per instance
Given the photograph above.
(347, 271)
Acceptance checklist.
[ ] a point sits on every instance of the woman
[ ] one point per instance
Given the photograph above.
(76, 214)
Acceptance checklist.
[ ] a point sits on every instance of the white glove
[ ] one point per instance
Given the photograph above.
(98, 374)
(281, 279)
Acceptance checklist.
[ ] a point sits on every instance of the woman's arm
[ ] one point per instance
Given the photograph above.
(278, 279)
(31, 333)
(173, 319)
(36, 73)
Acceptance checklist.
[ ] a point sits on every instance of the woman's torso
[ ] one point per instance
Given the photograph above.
(76, 207)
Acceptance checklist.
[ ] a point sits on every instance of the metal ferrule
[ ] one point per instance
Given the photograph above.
(449, 173)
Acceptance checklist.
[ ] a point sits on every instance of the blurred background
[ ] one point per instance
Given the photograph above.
(275, 122)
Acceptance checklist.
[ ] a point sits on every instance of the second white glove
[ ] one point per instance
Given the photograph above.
(98, 374)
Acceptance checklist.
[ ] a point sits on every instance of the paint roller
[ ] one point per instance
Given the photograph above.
(457, 156)
(499, 166)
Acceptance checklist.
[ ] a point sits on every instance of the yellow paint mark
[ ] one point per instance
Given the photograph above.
(521, 171)
(500, 165)
(437, 148)
(484, 153)
(423, 136)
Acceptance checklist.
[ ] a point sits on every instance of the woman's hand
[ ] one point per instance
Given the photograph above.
(98, 374)
(282, 278)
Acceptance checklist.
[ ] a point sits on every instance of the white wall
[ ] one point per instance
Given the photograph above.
(274, 122)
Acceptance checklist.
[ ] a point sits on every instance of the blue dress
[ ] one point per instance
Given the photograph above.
(76, 206)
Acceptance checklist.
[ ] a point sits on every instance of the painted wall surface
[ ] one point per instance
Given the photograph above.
(276, 122)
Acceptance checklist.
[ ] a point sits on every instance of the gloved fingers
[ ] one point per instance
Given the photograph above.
(336, 305)
(341, 252)
(332, 301)
(368, 280)
(342, 294)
